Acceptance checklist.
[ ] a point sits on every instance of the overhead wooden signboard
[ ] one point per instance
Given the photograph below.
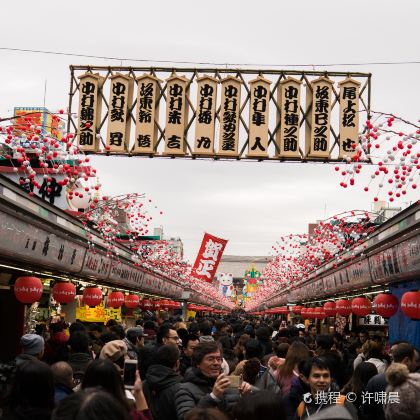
(219, 113)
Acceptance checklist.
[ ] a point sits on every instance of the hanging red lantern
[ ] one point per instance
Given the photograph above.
(165, 304)
(303, 312)
(319, 313)
(64, 292)
(28, 289)
(115, 299)
(330, 309)
(155, 305)
(176, 305)
(92, 296)
(310, 313)
(385, 305)
(296, 309)
(343, 307)
(283, 310)
(131, 301)
(147, 304)
(361, 306)
(410, 304)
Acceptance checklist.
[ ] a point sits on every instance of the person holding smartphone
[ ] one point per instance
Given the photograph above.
(205, 386)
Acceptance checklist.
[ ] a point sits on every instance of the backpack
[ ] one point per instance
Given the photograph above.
(268, 382)
(340, 401)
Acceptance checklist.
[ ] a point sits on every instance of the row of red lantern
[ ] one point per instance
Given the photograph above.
(196, 308)
(384, 304)
(29, 290)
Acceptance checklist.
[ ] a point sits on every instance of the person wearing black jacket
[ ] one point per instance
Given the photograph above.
(204, 385)
(162, 382)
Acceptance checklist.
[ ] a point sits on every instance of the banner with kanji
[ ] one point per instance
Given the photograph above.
(208, 258)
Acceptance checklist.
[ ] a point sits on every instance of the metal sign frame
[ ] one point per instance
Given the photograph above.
(244, 75)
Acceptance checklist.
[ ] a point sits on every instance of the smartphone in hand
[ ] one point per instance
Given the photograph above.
(130, 368)
(235, 381)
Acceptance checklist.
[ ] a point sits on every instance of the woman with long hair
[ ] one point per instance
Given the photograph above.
(103, 373)
(357, 383)
(32, 393)
(289, 369)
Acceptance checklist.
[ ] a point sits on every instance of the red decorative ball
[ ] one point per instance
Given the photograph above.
(343, 307)
(385, 305)
(64, 292)
(361, 306)
(28, 289)
(330, 309)
(410, 304)
(92, 296)
(115, 299)
(131, 301)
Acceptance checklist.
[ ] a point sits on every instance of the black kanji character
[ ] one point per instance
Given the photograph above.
(144, 140)
(46, 246)
(116, 139)
(88, 88)
(349, 93)
(203, 142)
(118, 88)
(60, 253)
(258, 144)
(174, 142)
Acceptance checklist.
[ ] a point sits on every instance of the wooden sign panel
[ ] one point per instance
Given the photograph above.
(229, 117)
(288, 119)
(89, 112)
(176, 115)
(258, 117)
(318, 129)
(146, 115)
(119, 122)
(349, 116)
(206, 114)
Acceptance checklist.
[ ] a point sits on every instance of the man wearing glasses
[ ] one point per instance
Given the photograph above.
(167, 335)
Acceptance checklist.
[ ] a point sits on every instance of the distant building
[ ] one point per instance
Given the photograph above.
(384, 211)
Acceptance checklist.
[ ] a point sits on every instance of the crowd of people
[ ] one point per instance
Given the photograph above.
(210, 369)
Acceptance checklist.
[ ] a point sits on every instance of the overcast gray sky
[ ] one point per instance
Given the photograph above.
(251, 204)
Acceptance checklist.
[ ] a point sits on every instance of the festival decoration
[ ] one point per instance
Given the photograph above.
(410, 304)
(361, 306)
(343, 307)
(28, 289)
(92, 296)
(131, 301)
(146, 305)
(208, 258)
(385, 304)
(330, 309)
(319, 313)
(64, 292)
(115, 299)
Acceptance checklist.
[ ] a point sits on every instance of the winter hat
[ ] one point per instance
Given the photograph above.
(407, 387)
(32, 344)
(113, 350)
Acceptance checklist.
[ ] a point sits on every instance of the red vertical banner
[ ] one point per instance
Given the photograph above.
(208, 258)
